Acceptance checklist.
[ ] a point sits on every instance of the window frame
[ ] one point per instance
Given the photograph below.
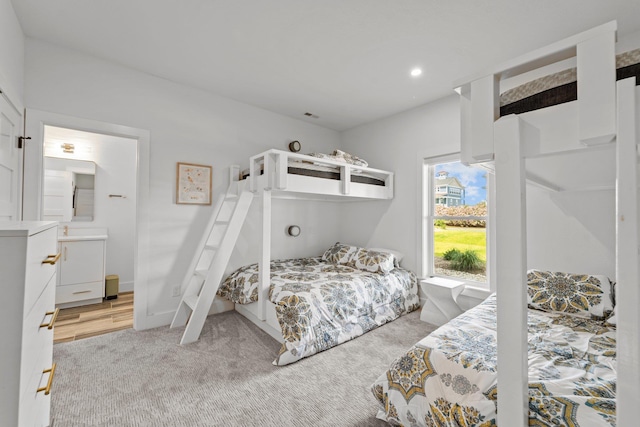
(428, 217)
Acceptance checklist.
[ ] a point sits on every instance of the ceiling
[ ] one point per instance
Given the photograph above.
(345, 61)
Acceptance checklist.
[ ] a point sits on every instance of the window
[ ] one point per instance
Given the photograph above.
(455, 216)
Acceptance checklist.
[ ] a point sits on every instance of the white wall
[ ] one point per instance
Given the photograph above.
(12, 45)
(398, 143)
(572, 232)
(186, 125)
(115, 159)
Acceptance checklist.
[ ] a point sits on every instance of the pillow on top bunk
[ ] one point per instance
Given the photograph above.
(341, 156)
(360, 258)
(578, 294)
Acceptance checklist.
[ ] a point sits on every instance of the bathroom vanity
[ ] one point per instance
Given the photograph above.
(81, 269)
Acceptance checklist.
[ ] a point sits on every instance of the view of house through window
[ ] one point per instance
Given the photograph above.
(458, 212)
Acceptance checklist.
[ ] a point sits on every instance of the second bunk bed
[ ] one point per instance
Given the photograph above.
(548, 348)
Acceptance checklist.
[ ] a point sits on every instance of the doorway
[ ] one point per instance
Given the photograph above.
(38, 125)
(89, 188)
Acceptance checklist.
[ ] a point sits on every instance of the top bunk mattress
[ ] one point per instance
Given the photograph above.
(297, 167)
(560, 87)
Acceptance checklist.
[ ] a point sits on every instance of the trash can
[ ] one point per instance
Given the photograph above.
(111, 285)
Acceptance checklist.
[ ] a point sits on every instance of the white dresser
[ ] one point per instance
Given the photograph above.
(28, 257)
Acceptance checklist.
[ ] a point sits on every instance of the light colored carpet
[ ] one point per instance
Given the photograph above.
(146, 378)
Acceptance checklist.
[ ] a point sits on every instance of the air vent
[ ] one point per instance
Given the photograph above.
(313, 116)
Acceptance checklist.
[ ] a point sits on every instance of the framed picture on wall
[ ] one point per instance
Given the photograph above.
(193, 184)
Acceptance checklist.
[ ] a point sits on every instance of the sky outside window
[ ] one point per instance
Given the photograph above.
(473, 180)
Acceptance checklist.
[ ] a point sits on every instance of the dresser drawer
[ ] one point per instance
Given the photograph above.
(37, 341)
(35, 407)
(40, 247)
(83, 291)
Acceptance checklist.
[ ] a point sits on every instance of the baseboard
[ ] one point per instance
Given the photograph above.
(125, 287)
(157, 320)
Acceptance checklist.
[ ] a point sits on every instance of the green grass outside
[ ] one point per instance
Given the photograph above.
(461, 239)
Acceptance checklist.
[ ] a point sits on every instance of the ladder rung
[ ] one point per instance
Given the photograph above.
(211, 247)
(191, 301)
(231, 196)
(201, 273)
(221, 222)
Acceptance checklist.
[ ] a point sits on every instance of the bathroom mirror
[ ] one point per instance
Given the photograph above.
(68, 190)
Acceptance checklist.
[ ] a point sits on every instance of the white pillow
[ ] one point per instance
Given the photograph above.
(397, 255)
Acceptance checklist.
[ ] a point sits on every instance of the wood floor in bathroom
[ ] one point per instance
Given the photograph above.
(95, 319)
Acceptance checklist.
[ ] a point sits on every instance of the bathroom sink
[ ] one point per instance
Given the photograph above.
(66, 233)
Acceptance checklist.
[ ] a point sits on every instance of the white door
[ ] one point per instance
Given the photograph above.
(10, 177)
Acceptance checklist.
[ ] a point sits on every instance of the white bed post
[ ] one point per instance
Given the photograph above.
(281, 163)
(345, 177)
(627, 277)
(511, 249)
(264, 265)
(596, 70)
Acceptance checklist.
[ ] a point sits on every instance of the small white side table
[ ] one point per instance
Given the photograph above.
(442, 296)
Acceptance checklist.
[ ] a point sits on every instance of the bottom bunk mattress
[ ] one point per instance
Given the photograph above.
(320, 304)
(449, 378)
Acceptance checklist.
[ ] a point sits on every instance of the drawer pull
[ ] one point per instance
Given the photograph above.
(52, 259)
(47, 389)
(53, 318)
(81, 292)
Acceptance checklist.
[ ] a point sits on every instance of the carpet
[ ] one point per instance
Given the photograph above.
(145, 378)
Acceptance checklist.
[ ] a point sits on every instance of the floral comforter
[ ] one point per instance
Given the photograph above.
(320, 305)
(449, 378)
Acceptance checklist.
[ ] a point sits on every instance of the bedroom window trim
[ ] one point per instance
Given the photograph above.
(428, 217)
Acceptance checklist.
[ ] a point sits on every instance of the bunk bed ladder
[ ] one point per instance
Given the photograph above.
(207, 268)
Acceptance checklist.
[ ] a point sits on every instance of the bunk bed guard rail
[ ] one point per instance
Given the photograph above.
(271, 169)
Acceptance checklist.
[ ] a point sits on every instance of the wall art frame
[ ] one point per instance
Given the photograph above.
(193, 184)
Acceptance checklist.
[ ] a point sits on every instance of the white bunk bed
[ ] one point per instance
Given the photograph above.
(280, 174)
(608, 129)
(380, 290)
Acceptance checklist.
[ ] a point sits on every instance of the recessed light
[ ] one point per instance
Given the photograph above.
(416, 72)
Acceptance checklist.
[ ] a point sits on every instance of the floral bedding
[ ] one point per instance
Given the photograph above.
(320, 304)
(449, 378)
